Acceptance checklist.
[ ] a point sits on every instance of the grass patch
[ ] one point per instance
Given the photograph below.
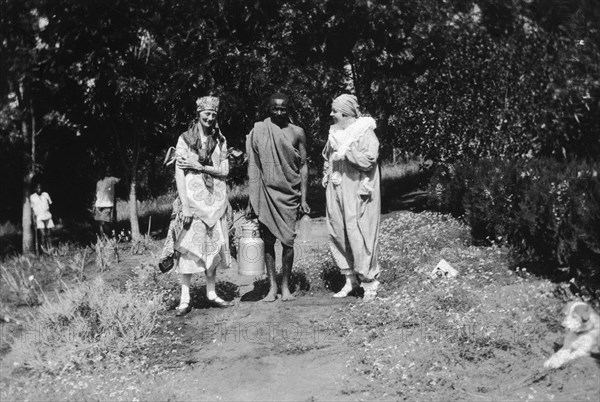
(23, 280)
(426, 337)
(85, 324)
(159, 205)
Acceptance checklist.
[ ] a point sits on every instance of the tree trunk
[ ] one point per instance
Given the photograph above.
(27, 245)
(27, 240)
(133, 212)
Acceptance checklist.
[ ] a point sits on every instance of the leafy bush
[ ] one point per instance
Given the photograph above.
(488, 83)
(399, 180)
(548, 211)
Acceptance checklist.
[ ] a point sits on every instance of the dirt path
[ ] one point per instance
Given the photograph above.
(259, 351)
(264, 351)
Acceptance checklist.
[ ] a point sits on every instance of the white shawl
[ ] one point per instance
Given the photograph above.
(340, 139)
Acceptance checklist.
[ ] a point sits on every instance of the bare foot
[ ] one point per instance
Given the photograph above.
(271, 297)
(287, 296)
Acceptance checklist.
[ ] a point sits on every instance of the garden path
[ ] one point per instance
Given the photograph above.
(265, 351)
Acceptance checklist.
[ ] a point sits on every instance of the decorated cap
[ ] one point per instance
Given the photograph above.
(207, 103)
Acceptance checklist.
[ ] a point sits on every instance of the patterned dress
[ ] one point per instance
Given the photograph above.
(205, 243)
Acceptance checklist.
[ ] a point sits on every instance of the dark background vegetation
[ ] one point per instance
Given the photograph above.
(492, 86)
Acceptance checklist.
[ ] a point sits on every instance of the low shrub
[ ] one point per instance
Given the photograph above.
(412, 244)
(19, 281)
(547, 211)
(84, 325)
(400, 182)
(107, 252)
(154, 284)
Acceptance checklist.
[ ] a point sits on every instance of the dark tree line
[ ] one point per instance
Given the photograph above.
(90, 84)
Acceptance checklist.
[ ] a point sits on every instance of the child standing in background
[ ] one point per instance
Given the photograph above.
(40, 204)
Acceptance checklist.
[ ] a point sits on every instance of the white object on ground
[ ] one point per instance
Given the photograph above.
(444, 269)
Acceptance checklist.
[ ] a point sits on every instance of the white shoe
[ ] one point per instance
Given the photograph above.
(370, 289)
(346, 290)
(182, 310)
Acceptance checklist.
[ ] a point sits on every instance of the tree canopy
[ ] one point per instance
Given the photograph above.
(113, 82)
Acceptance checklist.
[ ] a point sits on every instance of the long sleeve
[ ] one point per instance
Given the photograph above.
(363, 154)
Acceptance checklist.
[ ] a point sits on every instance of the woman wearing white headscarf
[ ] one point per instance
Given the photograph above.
(351, 178)
(200, 171)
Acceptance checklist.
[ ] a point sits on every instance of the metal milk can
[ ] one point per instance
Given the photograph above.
(251, 255)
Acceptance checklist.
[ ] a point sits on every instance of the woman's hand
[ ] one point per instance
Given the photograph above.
(189, 161)
(187, 215)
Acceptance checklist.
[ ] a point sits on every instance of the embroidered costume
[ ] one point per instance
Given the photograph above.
(204, 243)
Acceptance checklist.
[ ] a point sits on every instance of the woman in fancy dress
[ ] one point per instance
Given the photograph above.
(351, 178)
(200, 171)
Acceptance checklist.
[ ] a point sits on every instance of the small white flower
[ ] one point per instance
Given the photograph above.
(31, 278)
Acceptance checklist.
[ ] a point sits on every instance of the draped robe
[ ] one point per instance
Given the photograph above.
(274, 179)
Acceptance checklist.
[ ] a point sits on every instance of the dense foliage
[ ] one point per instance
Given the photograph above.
(547, 211)
(502, 87)
(86, 85)
(448, 80)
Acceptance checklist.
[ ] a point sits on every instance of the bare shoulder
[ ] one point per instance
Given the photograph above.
(297, 130)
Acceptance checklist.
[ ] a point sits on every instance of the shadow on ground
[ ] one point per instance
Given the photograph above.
(226, 290)
(298, 282)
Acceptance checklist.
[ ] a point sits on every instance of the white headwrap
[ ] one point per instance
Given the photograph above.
(347, 104)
